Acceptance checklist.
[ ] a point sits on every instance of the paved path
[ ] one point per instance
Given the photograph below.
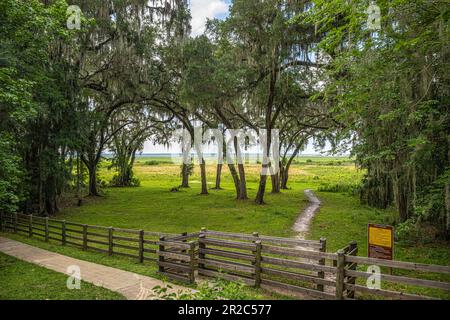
(301, 225)
(131, 285)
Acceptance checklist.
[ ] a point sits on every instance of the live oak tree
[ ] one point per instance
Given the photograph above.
(209, 83)
(120, 64)
(60, 88)
(35, 109)
(269, 46)
(134, 127)
(390, 89)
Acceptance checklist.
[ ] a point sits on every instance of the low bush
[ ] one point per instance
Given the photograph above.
(217, 289)
(157, 162)
(344, 187)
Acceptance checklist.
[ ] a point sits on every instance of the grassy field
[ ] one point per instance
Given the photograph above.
(153, 207)
(25, 281)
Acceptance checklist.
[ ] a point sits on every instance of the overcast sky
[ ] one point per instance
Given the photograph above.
(203, 9)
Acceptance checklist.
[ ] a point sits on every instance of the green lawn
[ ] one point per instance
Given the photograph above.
(153, 207)
(20, 280)
(342, 219)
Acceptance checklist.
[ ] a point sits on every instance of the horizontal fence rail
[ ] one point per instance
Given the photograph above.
(131, 243)
(348, 265)
(273, 263)
(288, 266)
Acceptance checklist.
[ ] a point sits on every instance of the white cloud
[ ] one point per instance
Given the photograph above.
(203, 9)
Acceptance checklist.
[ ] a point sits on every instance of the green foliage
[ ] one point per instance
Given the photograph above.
(413, 232)
(341, 218)
(32, 97)
(116, 181)
(217, 289)
(389, 88)
(11, 174)
(189, 169)
(431, 202)
(152, 163)
(350, 188)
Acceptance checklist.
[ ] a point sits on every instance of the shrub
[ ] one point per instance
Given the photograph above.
(157, 162)
(116, 181)
(217, 289)
(413, 232)
(152, 163)
(351, 188)
(190, 169)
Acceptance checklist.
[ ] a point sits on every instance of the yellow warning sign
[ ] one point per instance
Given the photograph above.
(380, 237)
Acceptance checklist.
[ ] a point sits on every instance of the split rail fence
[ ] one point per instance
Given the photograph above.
(286, 265)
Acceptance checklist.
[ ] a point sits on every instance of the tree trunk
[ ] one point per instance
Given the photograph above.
(93, 190)
(218, 176)
(402, 197)
(447, 208)
(242, 183)
(51, 207)
(265, 167)
(185, 176)
(237, 183)
(261, 189)
(275, 178)
(284, 177)
(79, 178)
(203, 177)
(284, 170)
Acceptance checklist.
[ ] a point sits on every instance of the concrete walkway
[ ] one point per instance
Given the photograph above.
(131, 285)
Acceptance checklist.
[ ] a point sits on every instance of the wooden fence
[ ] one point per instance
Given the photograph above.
(264, 261)
(157, 247)
(347, 269)
(286, 265)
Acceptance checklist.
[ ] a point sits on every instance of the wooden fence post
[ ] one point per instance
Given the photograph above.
(110, 241)
(340, 273)
(141, 246)
(321, 274)
(160, 257)
(63, 232)
(30, 225)
(184, 234)
(201, 246)
(353, 250)
(46, 229)
(258, 263)
(192, 262)
(15, 222)
(85, 237)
